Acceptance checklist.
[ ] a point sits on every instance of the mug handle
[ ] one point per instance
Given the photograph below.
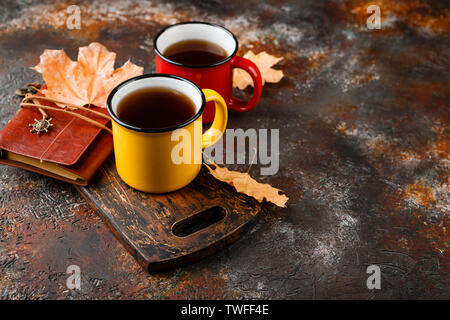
(247, 65)
(213, 134)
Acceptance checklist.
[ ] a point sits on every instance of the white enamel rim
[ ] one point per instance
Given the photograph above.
(156, 80)
(196, 30)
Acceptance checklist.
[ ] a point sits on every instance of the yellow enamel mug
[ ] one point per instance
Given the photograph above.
(164, 159)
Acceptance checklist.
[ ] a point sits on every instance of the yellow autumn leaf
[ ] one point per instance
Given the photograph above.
(243, 183)
(86, 81)
(264, 62)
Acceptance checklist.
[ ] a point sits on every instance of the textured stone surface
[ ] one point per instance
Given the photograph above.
(363, 118)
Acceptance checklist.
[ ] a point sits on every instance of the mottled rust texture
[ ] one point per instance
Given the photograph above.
(363, 118)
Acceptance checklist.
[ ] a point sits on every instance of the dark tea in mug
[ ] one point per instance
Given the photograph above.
(195, 52)
(155, 108)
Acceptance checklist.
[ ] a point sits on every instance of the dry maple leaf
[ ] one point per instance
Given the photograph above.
(264, 62)
(86, 81)
(243, 183)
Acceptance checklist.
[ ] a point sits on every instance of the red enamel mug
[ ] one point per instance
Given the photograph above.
(217, 76)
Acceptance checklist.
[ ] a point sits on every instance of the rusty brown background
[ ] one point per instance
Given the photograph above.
(363, 118)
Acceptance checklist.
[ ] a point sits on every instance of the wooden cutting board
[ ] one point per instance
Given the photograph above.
(169, 230)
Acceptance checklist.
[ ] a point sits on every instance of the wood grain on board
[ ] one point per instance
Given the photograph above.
(167, 230)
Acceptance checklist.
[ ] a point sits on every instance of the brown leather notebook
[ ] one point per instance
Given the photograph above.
(72, 150)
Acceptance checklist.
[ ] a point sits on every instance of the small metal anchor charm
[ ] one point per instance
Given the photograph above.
(40, 126)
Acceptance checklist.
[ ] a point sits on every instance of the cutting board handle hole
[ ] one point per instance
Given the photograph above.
(198, 221)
